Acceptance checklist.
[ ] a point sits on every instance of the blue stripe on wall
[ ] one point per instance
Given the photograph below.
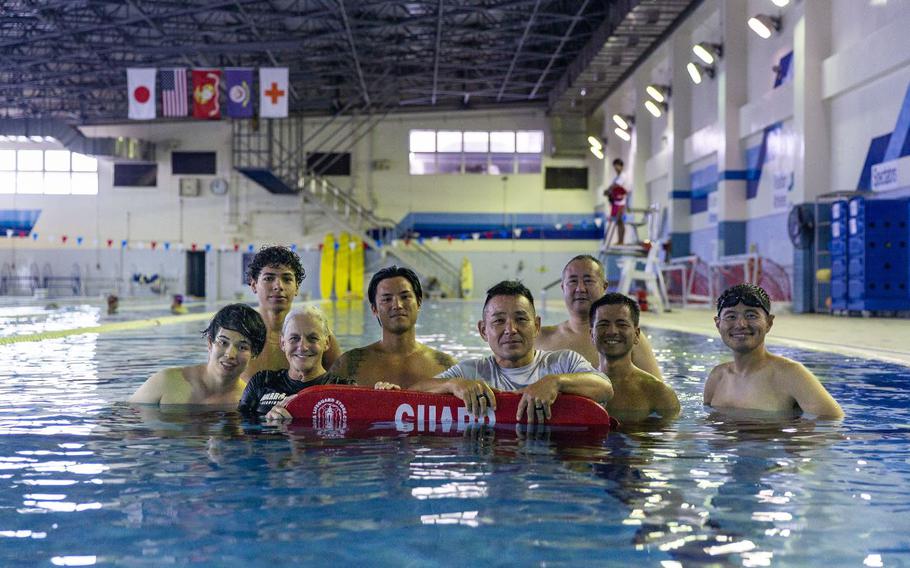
(890, 146)
(501, 226)
(901, 129)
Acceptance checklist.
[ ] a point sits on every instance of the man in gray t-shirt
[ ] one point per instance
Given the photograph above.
(509, 326)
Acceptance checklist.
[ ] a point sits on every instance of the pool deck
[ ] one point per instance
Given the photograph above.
(886, 339)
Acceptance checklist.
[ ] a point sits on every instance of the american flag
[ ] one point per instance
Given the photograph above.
(173, 92)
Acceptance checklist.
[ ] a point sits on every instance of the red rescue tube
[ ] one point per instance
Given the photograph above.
(338, 407)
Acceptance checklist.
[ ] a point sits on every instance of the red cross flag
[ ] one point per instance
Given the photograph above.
(141, 85)
(273, 92)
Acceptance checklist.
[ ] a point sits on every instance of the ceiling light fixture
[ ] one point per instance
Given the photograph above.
(659, 93)
(598, 153)
(764, 25)
(624, 122)
(624, 134)
(595, 143)
(708, 52)
(780, 3)
(656, 109)
(696, 71)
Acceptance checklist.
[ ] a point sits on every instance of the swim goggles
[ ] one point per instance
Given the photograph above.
(748, 298)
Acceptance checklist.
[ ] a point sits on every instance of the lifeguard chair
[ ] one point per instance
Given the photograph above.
(639, 260)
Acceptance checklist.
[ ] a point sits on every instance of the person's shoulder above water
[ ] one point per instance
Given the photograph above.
(167, 386)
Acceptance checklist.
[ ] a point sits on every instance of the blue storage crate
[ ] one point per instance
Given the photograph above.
(839, 210)
(839, 289)
(879, 304)
(839, 266)
(856, 206)
(838, 249)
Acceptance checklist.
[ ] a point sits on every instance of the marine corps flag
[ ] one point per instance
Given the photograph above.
(239, 92)
(206, 86)
(141, 86)
(273, 92)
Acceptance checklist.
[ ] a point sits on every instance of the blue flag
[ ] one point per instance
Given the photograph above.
(240, 92)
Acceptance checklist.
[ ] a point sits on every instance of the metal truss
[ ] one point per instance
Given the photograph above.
(67, 58)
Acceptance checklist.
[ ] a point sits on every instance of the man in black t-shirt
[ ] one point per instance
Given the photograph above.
(304, 338)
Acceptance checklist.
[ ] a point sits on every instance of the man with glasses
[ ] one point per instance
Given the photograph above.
(757, 379)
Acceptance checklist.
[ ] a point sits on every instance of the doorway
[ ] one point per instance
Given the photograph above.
(195, 273)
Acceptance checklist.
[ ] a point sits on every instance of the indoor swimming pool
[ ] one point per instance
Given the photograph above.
(86, 479)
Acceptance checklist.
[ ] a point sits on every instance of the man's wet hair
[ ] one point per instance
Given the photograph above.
(394, 271)
(273, 257)
(240, 318)
(748, 294)
(588, 257)
(509, 288)
(614, 299)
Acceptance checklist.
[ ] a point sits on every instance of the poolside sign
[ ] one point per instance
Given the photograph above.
(894, 174)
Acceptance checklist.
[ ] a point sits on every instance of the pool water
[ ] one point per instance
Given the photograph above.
(87, 479)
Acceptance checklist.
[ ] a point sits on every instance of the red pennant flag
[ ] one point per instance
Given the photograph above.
(110, 243)
(193, 246)
(154, 245)
(236, 247)
(64, 237)
(206, 93)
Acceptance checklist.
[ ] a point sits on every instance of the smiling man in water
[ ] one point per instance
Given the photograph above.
(510, 326)
(397, 359)
(235, 335)
(757, 379)
(583, 281)
(615, 332)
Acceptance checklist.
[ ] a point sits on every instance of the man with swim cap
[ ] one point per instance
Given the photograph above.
(614, 332)
(583, 281)
(395, 296)
(510, 326)
(275, 275)
(757, 379)
(304, 338)
(235, 335)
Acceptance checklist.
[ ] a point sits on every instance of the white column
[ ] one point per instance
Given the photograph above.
(732, 95)
(811, 45)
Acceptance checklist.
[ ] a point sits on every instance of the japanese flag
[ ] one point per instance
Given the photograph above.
(141, 85)
(273, 92)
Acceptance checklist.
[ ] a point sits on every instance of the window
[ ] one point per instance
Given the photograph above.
(566, 178)
(136, 174)
(193, 163)
(30, 171)
(499, 152)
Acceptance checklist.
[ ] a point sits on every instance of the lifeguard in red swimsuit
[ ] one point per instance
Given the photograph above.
(616, 194)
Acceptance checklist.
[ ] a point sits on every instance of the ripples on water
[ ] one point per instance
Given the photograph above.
(86, 479)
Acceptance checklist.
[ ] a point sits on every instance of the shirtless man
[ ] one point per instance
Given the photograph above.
(510, 326)
(756, 379)
(235, 335)
(583, 281)
(395, 297)
(615, 331)
(275, 275)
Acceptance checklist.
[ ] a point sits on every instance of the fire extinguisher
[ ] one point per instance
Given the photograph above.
(642, 296)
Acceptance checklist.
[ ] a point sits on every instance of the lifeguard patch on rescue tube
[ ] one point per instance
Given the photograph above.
(333, 407)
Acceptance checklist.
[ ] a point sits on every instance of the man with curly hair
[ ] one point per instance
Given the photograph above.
(275, 275)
